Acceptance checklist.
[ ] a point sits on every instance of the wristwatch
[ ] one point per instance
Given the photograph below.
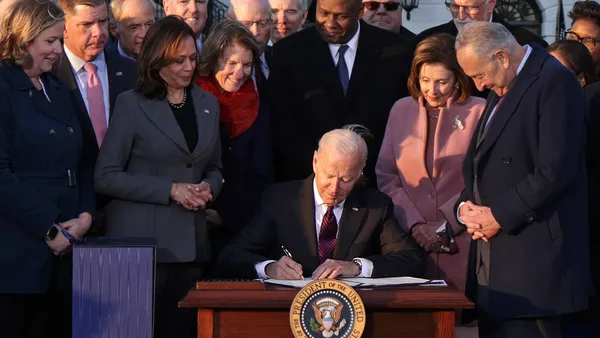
(51, 234)
(359, 263)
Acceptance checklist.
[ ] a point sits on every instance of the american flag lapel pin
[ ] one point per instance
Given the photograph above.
(119, 74)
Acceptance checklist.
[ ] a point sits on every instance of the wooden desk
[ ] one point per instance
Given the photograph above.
(408, 312)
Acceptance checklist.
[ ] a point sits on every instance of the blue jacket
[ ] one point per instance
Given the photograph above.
(39, 142)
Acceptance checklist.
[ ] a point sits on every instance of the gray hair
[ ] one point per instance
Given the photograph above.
(302, 5)
(116, 10)
(348, 140)
(262, 5)
(485, 38)
(222, 35)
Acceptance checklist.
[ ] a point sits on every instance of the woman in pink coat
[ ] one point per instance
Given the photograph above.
(420, 162)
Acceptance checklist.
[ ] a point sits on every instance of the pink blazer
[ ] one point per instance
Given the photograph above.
(402, 173)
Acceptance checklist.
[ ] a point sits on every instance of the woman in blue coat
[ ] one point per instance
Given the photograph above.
(46, 193)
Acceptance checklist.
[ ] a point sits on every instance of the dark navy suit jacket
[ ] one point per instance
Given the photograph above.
(39, 142)
(530, 169)
(247, 170)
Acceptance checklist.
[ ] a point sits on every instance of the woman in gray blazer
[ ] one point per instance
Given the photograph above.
(160, 163)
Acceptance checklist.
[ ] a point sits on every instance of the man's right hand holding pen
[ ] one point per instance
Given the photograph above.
(285, 267)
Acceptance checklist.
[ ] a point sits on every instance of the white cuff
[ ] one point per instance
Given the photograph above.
(260, 269)
(367, 268)
(458, 213)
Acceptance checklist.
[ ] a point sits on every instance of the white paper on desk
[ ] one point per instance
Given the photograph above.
(393, 281)
(299, 283)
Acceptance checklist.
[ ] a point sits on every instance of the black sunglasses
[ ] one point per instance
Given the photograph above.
(389, 6)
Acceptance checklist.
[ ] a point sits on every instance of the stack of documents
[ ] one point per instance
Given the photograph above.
(365, 282)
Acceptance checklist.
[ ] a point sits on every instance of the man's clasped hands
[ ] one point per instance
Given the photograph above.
(479, 220)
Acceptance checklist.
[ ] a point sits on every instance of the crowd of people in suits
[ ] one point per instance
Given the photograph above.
(463, 153)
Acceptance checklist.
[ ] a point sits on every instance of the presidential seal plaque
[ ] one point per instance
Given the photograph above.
(327, 308)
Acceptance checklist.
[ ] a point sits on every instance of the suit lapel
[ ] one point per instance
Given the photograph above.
(204, 118)
(352, 220)
(115, 78)
(65, 73)
(161, 115)
(366, 54)
(325, 66)
(509, 105)
(306, 217)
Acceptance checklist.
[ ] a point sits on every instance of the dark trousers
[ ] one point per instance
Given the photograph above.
(45, 315)
(550, 327)
(173, 281)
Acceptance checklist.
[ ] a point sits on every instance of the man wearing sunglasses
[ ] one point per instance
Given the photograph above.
(386, 14)
(465, 11)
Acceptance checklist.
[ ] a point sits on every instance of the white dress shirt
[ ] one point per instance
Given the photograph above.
(350, 54)
(528, 50)
(320, 210)
(122, 52)
(82, 78)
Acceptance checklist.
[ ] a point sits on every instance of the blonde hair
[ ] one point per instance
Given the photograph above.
(20, 23)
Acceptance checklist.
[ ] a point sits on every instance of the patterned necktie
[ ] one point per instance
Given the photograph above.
(327, 235)
(95, 98)
(342, 68)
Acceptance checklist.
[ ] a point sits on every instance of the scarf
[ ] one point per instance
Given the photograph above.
(238, 110)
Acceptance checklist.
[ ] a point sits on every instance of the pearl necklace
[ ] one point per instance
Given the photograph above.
(180, 105)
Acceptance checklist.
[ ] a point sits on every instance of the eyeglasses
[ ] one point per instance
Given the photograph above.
(588, 41)
(389, 6)
(261, 23)
(472, 10)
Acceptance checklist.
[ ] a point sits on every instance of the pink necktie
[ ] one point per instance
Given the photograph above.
(95, 98)
(327, 235)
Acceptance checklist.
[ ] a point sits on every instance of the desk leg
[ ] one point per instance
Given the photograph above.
(444, 321)
(205, 323)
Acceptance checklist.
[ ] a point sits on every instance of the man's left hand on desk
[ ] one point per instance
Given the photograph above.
(334, 268)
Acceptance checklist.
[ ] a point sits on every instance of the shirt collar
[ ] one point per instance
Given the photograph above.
(527, 53)
(319, 201)
(352, 44)
(78, 63)
(122, 52)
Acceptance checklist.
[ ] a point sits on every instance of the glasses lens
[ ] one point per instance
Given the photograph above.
(391, 6)
(572, 36)
(372, 5)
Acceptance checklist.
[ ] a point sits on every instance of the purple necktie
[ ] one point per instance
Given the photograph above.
(327, 236)
(95, 98)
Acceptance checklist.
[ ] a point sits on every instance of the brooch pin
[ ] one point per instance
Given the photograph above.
(458, 124)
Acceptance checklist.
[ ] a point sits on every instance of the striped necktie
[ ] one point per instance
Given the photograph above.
(327, 235)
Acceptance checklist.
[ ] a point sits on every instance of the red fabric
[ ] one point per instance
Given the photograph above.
(238, 110)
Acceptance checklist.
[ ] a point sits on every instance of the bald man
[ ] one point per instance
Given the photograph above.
(129, 22)
(332, 225)
(256, 16)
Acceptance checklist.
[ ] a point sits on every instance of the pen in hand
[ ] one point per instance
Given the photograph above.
(289, 255)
